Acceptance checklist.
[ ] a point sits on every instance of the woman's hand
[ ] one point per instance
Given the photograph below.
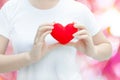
(40, 48)
(85, 43)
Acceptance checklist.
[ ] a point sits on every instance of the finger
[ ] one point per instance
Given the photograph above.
(36, 37)
(47, 24)
(80, 32)
(40, 31)
(85, 37)
(53, 22)
(52, 46)
(79, 26)
(42, 37)
(45, 28)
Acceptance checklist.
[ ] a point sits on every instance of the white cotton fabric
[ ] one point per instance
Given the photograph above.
(19, 22)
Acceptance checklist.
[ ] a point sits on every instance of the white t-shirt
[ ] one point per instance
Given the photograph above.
(19, 22)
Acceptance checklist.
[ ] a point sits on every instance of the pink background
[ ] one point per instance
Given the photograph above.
(92, 69)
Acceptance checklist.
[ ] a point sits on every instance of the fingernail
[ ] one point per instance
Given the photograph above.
(53, 23)
(75, 25)
(74, 34)
(50, 31)
(51, 27)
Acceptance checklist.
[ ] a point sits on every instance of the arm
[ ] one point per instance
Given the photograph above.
(97, 47)
(15, 62)
(11, 62)
(103, 47)
(94, 45)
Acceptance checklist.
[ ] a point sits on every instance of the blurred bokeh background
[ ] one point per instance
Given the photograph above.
(107, 13)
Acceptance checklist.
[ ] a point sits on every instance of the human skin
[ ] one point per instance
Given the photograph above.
(97, 46)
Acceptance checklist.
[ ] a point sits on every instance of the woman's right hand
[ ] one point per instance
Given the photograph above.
(40, 48)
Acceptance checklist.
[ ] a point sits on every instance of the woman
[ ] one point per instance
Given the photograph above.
(38, 56)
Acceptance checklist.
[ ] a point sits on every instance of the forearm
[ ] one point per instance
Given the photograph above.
(13, 62)
(102, 51)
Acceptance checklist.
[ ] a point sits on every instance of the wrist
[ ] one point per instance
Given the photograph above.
(92, 52)
(29, 58)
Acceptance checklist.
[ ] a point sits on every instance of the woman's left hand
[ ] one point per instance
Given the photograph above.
(85, 42)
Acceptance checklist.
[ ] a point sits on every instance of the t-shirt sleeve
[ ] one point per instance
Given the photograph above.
(90, 21)
(4, 24)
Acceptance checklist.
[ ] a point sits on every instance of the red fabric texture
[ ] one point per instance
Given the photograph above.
(63, 34)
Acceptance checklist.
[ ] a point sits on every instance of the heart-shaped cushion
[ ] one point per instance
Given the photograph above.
(63, 34)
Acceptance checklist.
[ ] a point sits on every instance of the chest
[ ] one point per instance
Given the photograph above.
(26, 25)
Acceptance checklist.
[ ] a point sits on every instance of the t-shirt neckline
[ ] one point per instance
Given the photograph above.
(59, 4)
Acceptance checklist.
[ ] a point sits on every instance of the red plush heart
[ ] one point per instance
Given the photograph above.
(63, 34)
